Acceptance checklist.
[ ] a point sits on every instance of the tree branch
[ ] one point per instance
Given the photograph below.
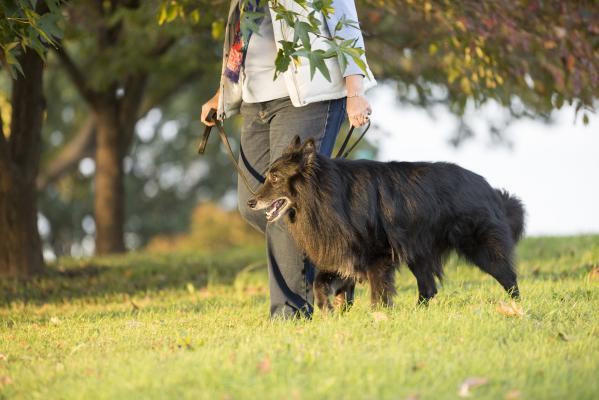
(76, 75)
(80, 146)
(162, 46)
(135, 87)
(83, 143)
(151, 102)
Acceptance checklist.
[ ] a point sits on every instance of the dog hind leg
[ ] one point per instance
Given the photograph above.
(382, 285)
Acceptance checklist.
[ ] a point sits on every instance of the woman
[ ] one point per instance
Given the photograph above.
(273, 112)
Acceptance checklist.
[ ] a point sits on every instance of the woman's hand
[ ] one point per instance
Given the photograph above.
(358, 107)
(358, 110)
(210, 104)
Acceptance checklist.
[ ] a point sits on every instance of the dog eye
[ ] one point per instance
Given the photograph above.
(274, 178)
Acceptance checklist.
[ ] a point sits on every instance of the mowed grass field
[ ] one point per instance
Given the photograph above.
(196, 326)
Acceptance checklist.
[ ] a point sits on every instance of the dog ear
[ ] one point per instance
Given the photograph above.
(308, 151)
(309, 146)
(295, 142)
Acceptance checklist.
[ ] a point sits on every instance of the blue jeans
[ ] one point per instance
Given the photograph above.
(267, 130)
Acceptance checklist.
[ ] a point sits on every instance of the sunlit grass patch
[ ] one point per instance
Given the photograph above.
(195, 326)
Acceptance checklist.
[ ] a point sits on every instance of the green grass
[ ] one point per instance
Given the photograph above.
(196, 326)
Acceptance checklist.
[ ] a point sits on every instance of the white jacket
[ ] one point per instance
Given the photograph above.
(302, 89)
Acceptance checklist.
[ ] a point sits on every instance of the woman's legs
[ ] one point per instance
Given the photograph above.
(290, 274)
(254, 159)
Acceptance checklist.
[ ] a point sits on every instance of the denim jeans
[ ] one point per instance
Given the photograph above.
(268, 129)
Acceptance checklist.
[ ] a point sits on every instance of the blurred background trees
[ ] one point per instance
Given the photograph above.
(124, 81)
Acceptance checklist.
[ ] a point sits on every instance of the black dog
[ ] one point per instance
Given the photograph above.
(359, 219)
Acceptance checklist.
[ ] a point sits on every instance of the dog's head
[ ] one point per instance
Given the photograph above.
(278, 194)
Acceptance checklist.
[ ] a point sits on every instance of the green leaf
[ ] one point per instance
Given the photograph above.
(282, 13)
(324, 6)
(249, 23)
(195, 15)
(344, 21)
(316, 59)
(302, 3)
(172, 12)
(302, 30)
(281, 63)
(10, 46)
(48, 23)
(313, 20)
(218, 28)
(162, 14)
(14, 63)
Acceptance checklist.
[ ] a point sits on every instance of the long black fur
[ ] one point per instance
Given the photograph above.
(359, 220)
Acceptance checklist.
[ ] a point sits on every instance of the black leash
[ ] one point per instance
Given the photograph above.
(340, 153)
(212, 117)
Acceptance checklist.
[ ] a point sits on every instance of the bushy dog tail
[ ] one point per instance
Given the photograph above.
(514, 210)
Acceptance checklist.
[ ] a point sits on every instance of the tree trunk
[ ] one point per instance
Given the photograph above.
(109, 201)
(20, 244)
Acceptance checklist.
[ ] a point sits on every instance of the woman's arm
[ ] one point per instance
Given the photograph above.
(347, 9)
(358, 107)
(206, 107)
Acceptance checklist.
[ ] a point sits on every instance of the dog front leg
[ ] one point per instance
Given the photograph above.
(344, 295)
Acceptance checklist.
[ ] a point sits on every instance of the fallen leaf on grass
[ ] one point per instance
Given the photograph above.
(513, 394)
(471, 383)
(418, 366)
(594, 274)
(264, 365)
(5, 380)
(379, 316)
(511, 309)
(254, 290)
(185, 343)
(565, 337)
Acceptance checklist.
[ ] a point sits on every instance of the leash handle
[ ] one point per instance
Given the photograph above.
(204, 141)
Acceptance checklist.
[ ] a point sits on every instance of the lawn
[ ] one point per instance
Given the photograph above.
(195, 326)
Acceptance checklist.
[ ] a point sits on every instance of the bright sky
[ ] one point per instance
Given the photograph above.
(553, 168)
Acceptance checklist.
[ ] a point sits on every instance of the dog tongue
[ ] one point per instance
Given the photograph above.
(273, 210)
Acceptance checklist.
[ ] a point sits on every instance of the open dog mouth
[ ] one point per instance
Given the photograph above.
(277, 209)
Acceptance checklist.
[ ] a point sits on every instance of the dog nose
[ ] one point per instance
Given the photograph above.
(252, 203)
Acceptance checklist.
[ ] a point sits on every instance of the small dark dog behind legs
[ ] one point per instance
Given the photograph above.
(356, 220)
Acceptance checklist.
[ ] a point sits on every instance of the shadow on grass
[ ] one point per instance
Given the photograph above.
(138, 273)
(131, 274)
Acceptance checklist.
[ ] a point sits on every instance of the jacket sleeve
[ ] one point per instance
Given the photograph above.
(347, 8)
